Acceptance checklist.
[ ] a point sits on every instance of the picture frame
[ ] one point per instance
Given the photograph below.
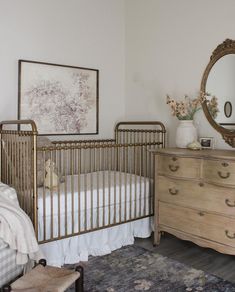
(61, 99)
(207, 142)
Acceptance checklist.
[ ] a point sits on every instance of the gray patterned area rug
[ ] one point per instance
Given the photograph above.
(133, 268)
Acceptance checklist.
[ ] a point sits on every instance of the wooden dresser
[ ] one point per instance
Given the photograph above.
(195, 196)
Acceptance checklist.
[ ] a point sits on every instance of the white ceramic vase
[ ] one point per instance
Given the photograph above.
(186, 133)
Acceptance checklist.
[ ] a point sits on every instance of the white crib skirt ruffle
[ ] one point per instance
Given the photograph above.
(75, 249)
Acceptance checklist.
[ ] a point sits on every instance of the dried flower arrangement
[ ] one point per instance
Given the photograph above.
(186, 109)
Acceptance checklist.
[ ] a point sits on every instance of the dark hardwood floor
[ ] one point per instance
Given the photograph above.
(192, 255)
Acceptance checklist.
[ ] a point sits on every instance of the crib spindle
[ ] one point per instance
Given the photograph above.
(91, 170)
(79, 189)
(58, 163)
(72, 187)
(65, 159)
(85, 187)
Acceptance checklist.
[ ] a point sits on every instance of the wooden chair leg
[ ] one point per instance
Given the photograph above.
(42, 262)
(6, 288)
(79, 283)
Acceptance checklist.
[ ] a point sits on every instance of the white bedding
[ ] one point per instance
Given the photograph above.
(16, 228)
(17, 239)
(9, 270)
(106, 192)
(112, 182)
(134, 197)
(97, 243)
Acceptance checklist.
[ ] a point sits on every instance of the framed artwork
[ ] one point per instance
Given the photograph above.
(207, 142)
(62, 100)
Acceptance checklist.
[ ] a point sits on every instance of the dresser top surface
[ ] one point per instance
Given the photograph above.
(204, 153)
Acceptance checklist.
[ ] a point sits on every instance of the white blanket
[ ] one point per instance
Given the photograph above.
(16, 228)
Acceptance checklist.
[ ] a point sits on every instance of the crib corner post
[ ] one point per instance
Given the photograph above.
(6, 288)
(0, 152)
(34, 182)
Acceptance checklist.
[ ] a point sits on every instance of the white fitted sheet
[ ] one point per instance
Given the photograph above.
(91, 186)
(98, 199)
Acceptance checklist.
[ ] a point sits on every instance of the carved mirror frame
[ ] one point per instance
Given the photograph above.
(226, 48)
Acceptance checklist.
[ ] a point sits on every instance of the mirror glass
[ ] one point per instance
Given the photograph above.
(221, 83)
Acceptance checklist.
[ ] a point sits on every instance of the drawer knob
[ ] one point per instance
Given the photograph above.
(201, 213)
(224, 176)
(224, 164)
(174, 158)
(173, 192)
(173, 167)
(201, 184)
(227, 202)
(229, 236)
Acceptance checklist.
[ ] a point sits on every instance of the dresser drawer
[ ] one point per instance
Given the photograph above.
(219, 172)
(196, 195)
(209, 226)
(178, 166)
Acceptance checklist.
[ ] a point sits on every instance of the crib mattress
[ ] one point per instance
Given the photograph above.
(8, 268)
(96, 189)
(93, 197)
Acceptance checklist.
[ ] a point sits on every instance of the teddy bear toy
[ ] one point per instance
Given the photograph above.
(51, 178)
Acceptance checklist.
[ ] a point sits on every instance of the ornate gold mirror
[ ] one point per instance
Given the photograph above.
(219, 80)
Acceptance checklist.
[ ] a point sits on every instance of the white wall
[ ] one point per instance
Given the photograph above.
(164, 44)
(83, 33)
(168, 45)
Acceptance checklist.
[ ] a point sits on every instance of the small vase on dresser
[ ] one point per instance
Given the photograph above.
(195, 196)
(186, 133)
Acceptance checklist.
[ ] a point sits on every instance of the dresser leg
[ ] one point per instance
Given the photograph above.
(157, 237)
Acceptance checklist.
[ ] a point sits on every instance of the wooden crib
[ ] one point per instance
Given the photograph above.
(74, 187)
